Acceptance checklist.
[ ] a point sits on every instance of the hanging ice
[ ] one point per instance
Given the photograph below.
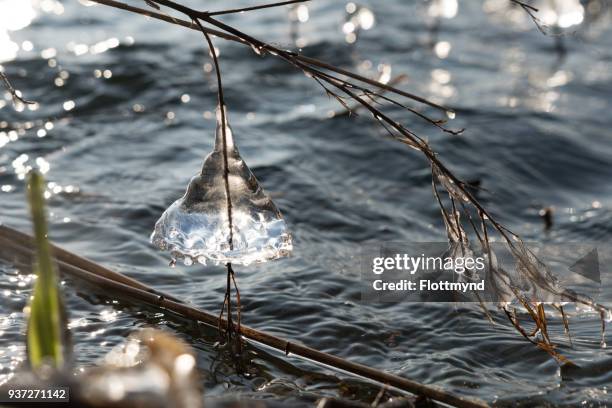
(197, 226)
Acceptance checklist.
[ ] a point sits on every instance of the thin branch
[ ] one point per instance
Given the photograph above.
(540, 25)
(530, 11)
(525, 5)
(222, 113)
(369, 81)
(14, 93)
(253, 8)
(263, 47)
(168, 19)
(528, 267)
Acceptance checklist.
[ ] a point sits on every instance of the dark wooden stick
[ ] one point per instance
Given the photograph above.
(15, 244)
(25, 240)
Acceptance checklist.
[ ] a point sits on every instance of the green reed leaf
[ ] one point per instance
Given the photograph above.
(44, 334)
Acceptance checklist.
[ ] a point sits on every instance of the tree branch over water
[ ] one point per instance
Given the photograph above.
(468, 223)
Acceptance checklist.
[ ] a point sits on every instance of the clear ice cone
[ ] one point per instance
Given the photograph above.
(196, 227)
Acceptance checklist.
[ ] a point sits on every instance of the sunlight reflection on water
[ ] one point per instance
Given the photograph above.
(14, 15)
(561, 13)
(108, 111)
(15, 290)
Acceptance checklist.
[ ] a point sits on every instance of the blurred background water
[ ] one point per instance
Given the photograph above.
(124, 116)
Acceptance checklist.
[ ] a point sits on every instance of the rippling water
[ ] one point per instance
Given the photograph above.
(125, 117)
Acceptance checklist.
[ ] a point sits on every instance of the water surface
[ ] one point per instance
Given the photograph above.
(125, 116)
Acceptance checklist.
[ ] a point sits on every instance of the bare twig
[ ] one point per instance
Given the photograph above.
(253, 8)
(340, 84)
(530, 10)
(525, 5)
(541, 26)
(222, 115)
(14, 93)
(228, 33)
(164, 17)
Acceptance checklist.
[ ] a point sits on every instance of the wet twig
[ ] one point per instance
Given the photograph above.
(253, 8)
(17, 98)
(227, 302)
(530, 10)
(540, 25)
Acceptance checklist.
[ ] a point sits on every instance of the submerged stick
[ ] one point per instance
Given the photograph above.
(20, 246)
(24, 240)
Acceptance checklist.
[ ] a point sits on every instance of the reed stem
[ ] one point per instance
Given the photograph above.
(18, 245)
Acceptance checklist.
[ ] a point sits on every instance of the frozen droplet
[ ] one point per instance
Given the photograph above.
(198, 224)
(451, 114)
(256, 49)
(172, 263)
(187, 261)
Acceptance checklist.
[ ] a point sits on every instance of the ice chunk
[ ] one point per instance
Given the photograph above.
(197, 226)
